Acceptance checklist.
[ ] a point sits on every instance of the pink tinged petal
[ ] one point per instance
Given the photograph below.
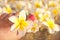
(21, 33)
(30, 25)
(13, 19)
(22, 14)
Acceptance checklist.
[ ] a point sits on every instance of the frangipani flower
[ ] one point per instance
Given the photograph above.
(52, 3)
(20, 23)
(34, 28)
(37, 12)
(20, 4)
(55, 12)
(44, 16)
(36, 15)
(52, 27)
(38, 4)
(7, 9)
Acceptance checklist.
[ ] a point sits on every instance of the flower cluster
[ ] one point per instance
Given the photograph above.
(31, 14)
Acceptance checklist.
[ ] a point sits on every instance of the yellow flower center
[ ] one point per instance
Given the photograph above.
(34, 27)
(52, 4)
(51, 24)
(44, 17)
(36, 15)
(22, 24)
(37, 5)
(18, 6)
(55, 12)
(8, 10)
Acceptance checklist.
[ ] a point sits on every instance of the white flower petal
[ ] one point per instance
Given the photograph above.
(39, 10)
(56, 28)
(51, 31)
(40, 15)
(13, 28)
(37, 29)
(45, 23)
(30, 25)
(22, 14)
(29, 6)
(22, 3)
(21, 33)
(34, 31)
(13, 19)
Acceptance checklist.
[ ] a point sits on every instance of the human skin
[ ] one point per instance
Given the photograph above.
(5, 33)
